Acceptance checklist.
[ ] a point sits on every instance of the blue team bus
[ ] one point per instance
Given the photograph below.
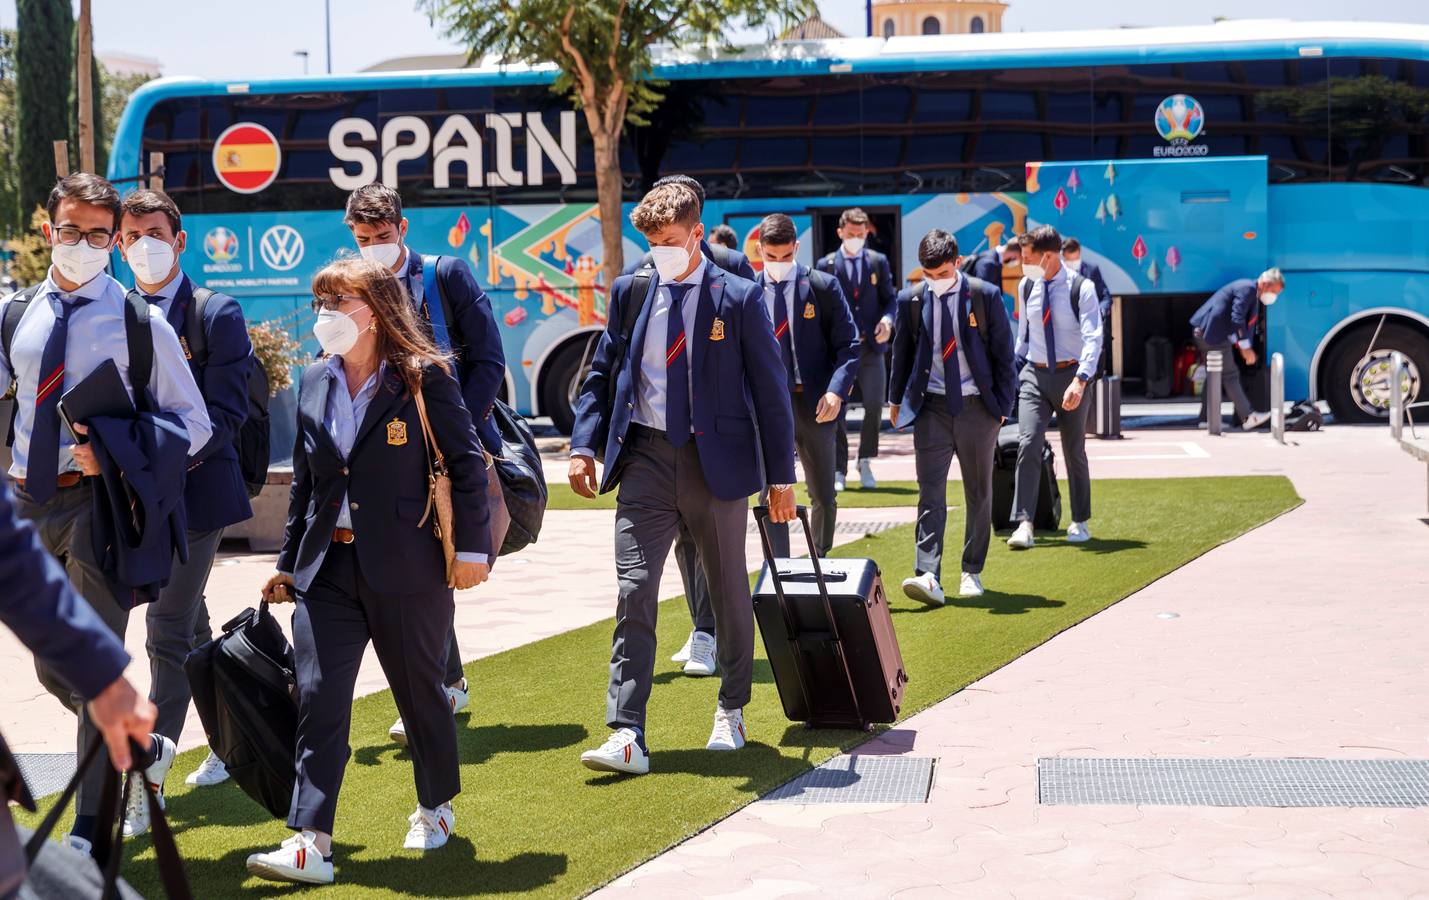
(1181, 157)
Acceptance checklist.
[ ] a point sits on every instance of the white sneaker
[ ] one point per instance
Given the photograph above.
(620, 753)
(136, 812)
(1022, 538)
(458, 697)
(865, 475)
(728, 732)
(296, 859)
(1254, 421)
(702, 655)
(684, 654)
(1078, 533)
(970, 585)
(840, 482)
(210, 771)
(924, 588)
(430, 827)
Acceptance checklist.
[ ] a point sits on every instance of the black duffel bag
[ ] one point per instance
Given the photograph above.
(523, 482)
(246, 694)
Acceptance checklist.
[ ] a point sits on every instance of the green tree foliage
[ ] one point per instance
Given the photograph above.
(602, 49)
(44, 76)
(1360, 114)
(10, 218)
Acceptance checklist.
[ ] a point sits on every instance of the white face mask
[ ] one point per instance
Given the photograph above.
(671, 262)
(336, 331)
(1034, 272)
(778, 271)
(386, 254)
(80, 263)
(1269, 297)
(941, 286)
(853, 246)
(1074, 264)
(151, 259)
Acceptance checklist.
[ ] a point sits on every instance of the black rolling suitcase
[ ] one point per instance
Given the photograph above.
(1159, 353)
(829, 637)
(1106, 407)
(1004, 485)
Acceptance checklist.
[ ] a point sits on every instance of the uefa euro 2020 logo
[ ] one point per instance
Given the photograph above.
(221, 245)
(1179, 120)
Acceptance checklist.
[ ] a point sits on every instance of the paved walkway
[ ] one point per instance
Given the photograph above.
(1305, 638)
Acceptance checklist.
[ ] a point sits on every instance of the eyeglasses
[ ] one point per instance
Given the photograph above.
(98, 239)
(331, 302)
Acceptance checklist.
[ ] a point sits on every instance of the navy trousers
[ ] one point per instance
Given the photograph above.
(332, 625)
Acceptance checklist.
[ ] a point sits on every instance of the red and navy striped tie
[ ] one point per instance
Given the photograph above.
(42, 466)
(781, 331)
(677, 369)
(1048, 332)
(952, 371)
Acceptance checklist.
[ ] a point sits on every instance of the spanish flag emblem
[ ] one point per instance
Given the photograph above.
(246, 157)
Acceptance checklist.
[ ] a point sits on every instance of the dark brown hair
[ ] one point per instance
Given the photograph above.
(723, 234)
(853, 216)
(373, 204)
(1071, 245)
(777, 230)
(1044, 239)
(144, 202)
(83, 187)
(937, 247)
(401, 340)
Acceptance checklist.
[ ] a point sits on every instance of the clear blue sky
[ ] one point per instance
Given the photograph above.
(256, 38)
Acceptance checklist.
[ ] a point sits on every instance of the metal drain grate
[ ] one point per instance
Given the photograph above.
(861, 779)
(46, 773)
(1233, 782)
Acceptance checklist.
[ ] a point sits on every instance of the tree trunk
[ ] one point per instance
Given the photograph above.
(609, 192)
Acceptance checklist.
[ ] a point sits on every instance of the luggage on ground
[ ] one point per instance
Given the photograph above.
(829, 636)
(1048, 516)
(1304, 416)
(1106, 406)
(523, 482)
(245, 690)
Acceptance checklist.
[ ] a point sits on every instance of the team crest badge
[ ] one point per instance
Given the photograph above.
(972, 320)
(873, 278)
(809, 311)
(717, 330)
(396, 433)
(184, 343)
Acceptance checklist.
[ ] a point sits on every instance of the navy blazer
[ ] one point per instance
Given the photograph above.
(734, 262)
(481, 361)
(991, 361)
(743, 421)
(49, 618)
(872, 298)
(1093, 273)
(825, 339)
(140, 522)
(215, 494)
(1230, 314)
(385, 480)
(987, 265)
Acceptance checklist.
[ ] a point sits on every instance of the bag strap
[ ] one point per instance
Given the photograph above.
(435, 312)
(140, 338)
(9, 324)
(196, 326)
(629, 315)
(978, 301)
(436, 463)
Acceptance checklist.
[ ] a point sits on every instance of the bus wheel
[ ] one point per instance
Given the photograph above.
(1357, 378)
(561, 382)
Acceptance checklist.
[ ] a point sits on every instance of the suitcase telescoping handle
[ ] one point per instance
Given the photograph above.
(761, 517)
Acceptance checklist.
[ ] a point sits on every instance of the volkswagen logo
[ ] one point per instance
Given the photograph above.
(281, 247)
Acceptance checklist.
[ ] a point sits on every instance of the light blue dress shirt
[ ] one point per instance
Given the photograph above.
(936, 376)
(96, 333)
(1077, 331)
(650, 392)
(771, 296)
(343, 414)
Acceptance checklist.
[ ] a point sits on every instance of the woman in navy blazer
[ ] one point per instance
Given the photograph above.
(361, 555)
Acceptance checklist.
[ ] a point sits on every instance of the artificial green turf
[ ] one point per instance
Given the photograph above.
(888, 493)
(532, 820)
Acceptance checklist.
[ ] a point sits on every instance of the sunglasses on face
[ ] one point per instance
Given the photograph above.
(331, 302)
(99, 239)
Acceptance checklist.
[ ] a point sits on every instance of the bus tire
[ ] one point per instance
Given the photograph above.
(558, 382)
(1357, 387)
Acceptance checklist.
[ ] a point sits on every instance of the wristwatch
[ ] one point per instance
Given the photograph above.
(1083, 378)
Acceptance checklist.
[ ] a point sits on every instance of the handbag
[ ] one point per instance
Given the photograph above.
(523, 482)
(498, 515)
(439, 487)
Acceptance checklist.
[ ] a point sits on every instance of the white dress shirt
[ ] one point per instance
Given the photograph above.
(771, 296)
(651, 389)
(96, 333)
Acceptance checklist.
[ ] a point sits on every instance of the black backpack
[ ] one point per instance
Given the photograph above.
(1304, 416)
(252, 441)
(969, 265)
(136, 335)
(976, 300)
(246, 694)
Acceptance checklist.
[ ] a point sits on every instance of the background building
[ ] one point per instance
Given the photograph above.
(906, 17)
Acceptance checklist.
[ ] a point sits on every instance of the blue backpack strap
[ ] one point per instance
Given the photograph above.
(432, 303)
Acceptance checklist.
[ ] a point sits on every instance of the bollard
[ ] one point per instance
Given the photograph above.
(1212, 391)
(1277, 397)
(1396, 395)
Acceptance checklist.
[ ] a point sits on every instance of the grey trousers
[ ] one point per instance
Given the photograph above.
(178, 622)
(335, 619)
(815, 442)
(660, 487)
(697, 589)
(63, 523)
(937, 436)
(1230, 380)
(1039, 393)
(873, 390)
